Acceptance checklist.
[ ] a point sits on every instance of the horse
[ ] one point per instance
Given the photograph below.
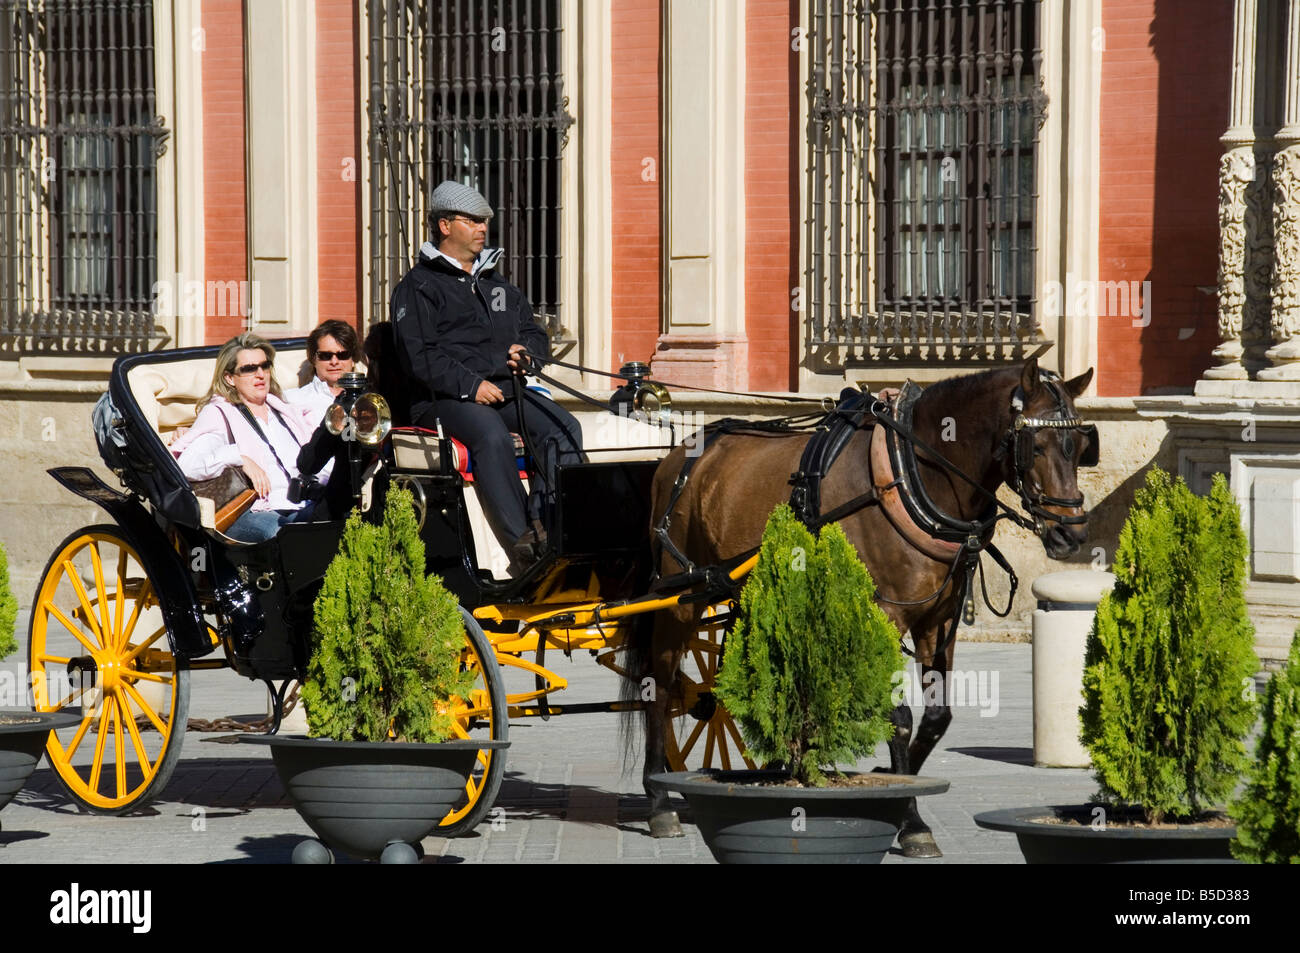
(1015, 425)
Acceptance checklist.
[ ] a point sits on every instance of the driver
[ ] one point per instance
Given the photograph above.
(461, 331)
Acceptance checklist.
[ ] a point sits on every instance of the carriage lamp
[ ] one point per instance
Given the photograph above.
(639, 397)
(358, 414)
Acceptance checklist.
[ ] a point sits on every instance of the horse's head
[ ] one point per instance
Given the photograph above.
(1044, 447)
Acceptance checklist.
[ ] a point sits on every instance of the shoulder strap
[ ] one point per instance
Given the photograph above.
(248, 415)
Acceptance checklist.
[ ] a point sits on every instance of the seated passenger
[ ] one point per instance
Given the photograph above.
(333, 350)
(243, 422)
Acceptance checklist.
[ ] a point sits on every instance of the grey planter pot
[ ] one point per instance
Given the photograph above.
(743, 823)
(1079, 843)
(22, 742)
(359, 797)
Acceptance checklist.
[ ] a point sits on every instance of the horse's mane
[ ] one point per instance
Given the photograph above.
(957, 391)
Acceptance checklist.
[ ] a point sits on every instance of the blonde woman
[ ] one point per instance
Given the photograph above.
(244, 422)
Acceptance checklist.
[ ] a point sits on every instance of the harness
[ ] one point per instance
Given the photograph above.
(898, 488)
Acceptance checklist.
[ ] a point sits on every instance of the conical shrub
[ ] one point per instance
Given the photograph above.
(1170, 659)
(388, 637)
(809, 667)
(8, 608)
(1268, 810)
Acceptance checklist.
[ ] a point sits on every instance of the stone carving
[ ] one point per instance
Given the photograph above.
(1236, 172)
(1285, 324)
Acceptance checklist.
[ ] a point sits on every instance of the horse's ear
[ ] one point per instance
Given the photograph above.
(1029, 377)
(1078, 385)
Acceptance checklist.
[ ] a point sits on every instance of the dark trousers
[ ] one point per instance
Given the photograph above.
(553, 434)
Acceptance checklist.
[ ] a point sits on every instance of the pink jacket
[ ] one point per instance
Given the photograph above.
(204, 450)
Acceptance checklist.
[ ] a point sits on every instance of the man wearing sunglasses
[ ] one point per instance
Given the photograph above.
(462, 331)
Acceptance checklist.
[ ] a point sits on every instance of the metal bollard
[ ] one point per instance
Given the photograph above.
(1067, 602)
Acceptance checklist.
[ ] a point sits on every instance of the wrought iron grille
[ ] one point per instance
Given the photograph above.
(923, 128)
(79, 142)
(472, 92)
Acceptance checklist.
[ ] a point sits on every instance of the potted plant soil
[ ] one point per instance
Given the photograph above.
(1267, 811)
(808, 674)
(1168, 697)
(22, 733)
(376, 773)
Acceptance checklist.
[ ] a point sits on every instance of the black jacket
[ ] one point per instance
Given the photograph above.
(454, 330)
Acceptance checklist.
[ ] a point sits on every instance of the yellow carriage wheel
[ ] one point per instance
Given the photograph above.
(702, 733)
(99, 645)
(482, 714)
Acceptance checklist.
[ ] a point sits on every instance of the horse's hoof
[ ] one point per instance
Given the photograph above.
(919, 844)
(665, 825)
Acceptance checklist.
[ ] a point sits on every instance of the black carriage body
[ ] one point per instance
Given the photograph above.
(601, 526)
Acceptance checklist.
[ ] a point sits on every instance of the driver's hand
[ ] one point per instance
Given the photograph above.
(261, 484)
(488, 394)
(517, 358)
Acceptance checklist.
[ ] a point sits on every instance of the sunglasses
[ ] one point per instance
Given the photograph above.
(333, 355)
(243, 370)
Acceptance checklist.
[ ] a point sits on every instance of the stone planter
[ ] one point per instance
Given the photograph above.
(22, 742)
(744, 822)
(1078, 842)
(361, 797)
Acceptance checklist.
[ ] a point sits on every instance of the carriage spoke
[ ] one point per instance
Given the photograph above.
(688, 746)
(145, 707)
(75, 743)
(120, 595)
(136, 741)
(119, 748)
(723, 748)
(740, 745)
(101, 736)
(129, 628)
(72, 573)
(136, 650)
(68, 699)
(147, 676)
(101, 594)
(80, 636)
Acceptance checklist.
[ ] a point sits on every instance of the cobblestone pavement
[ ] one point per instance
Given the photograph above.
(566, 797)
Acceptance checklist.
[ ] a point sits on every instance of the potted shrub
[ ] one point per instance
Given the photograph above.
(1167, 690)
(1268, 810)
(22, 733)
(808, 674)
(376, 773)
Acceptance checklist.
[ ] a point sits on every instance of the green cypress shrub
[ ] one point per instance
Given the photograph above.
(809, 667)
(1171, 655)
(1268, 810)
(388, 637)
(8, 608)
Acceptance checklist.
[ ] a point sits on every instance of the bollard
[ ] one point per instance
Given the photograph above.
(1067, 602)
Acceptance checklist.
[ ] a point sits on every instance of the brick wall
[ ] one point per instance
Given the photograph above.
(338, 158)
(635, 30)
(225, 243)
(1164, 103)
(771, 190)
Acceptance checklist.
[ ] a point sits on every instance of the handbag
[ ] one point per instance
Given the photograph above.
(231, 486)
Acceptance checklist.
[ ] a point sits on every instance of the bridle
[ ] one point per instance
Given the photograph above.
(1019, 439)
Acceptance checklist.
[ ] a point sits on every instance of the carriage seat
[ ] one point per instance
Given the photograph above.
(606, 438)
(168, 392)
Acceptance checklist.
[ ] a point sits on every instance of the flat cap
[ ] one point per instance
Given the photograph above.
(457, 197)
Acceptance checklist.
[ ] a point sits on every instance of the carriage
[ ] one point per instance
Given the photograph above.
(126, 611)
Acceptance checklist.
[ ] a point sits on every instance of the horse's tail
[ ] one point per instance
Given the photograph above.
(637, 646)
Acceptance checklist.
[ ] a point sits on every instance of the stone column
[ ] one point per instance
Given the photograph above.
(704, 341)
(1285, 352)
(1243, 215)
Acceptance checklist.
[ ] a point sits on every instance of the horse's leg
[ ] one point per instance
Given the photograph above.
(915, 836)
(664, 660)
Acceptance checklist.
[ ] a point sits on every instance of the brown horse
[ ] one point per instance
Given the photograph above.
(975, 422)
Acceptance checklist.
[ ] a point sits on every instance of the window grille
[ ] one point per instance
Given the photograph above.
(923, 128)
(79, 143)
(472, 92)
